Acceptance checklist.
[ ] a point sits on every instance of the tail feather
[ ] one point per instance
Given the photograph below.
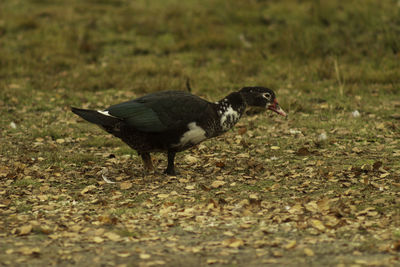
(96, 117)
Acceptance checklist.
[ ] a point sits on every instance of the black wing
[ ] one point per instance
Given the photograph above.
(160, 111)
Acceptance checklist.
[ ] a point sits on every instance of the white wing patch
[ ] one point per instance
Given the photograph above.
(195, 135)
(229, 118)
(106, 113)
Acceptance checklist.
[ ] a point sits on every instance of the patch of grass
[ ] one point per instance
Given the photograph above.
(54, 132)
(127, 233)
(139, 198)
(25, 182)
(23, 207)
(81, 159)
(101, 141)
(396, 233)
(123, 149)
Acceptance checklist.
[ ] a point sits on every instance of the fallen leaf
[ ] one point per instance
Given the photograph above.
(24, 230)
(112, 236)
(384, 175)
(317, 224)
(308, 252)
(190, 159)
(43, 197)
(125, 185)
(217, 184)
(123, 254)
(29, 250)
(323, 205)
(98, 239)
(311, 206)
(303, 152)
(228, 233)
(253, 196)
(277, 253)
(236, 244)
(380, 126)
(190, 187)
(296, 209)
(75, 228)
(377, 165)
(144, 256)
(88, 189)
(331, 221)
(242, 130)
(220, 164)
(291, 244)
(233, 242)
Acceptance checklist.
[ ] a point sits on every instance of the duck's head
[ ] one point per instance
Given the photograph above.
(261, 97)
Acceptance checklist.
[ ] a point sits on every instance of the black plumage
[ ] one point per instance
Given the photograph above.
(172, 121)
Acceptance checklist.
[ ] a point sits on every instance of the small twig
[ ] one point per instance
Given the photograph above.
(339, 79)
(104, 172)
(188, 87)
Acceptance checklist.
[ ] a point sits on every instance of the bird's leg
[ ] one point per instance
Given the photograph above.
(148, 165)
(170, 168)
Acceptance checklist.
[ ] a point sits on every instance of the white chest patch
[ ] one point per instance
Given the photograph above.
(228, 118)
(195, 135)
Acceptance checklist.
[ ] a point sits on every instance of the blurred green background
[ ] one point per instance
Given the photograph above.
(146, 46)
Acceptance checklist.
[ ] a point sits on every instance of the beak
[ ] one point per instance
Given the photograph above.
(276, 108)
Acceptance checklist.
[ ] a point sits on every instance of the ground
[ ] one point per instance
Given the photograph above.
(321, 187)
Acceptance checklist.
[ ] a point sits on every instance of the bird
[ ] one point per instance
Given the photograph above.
(173, 121)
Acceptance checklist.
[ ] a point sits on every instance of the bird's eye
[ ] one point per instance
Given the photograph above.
(267, 96)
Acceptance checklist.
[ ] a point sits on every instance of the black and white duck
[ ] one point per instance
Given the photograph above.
(173, 121)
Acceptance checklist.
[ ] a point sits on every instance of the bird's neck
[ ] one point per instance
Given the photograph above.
(230, 109)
